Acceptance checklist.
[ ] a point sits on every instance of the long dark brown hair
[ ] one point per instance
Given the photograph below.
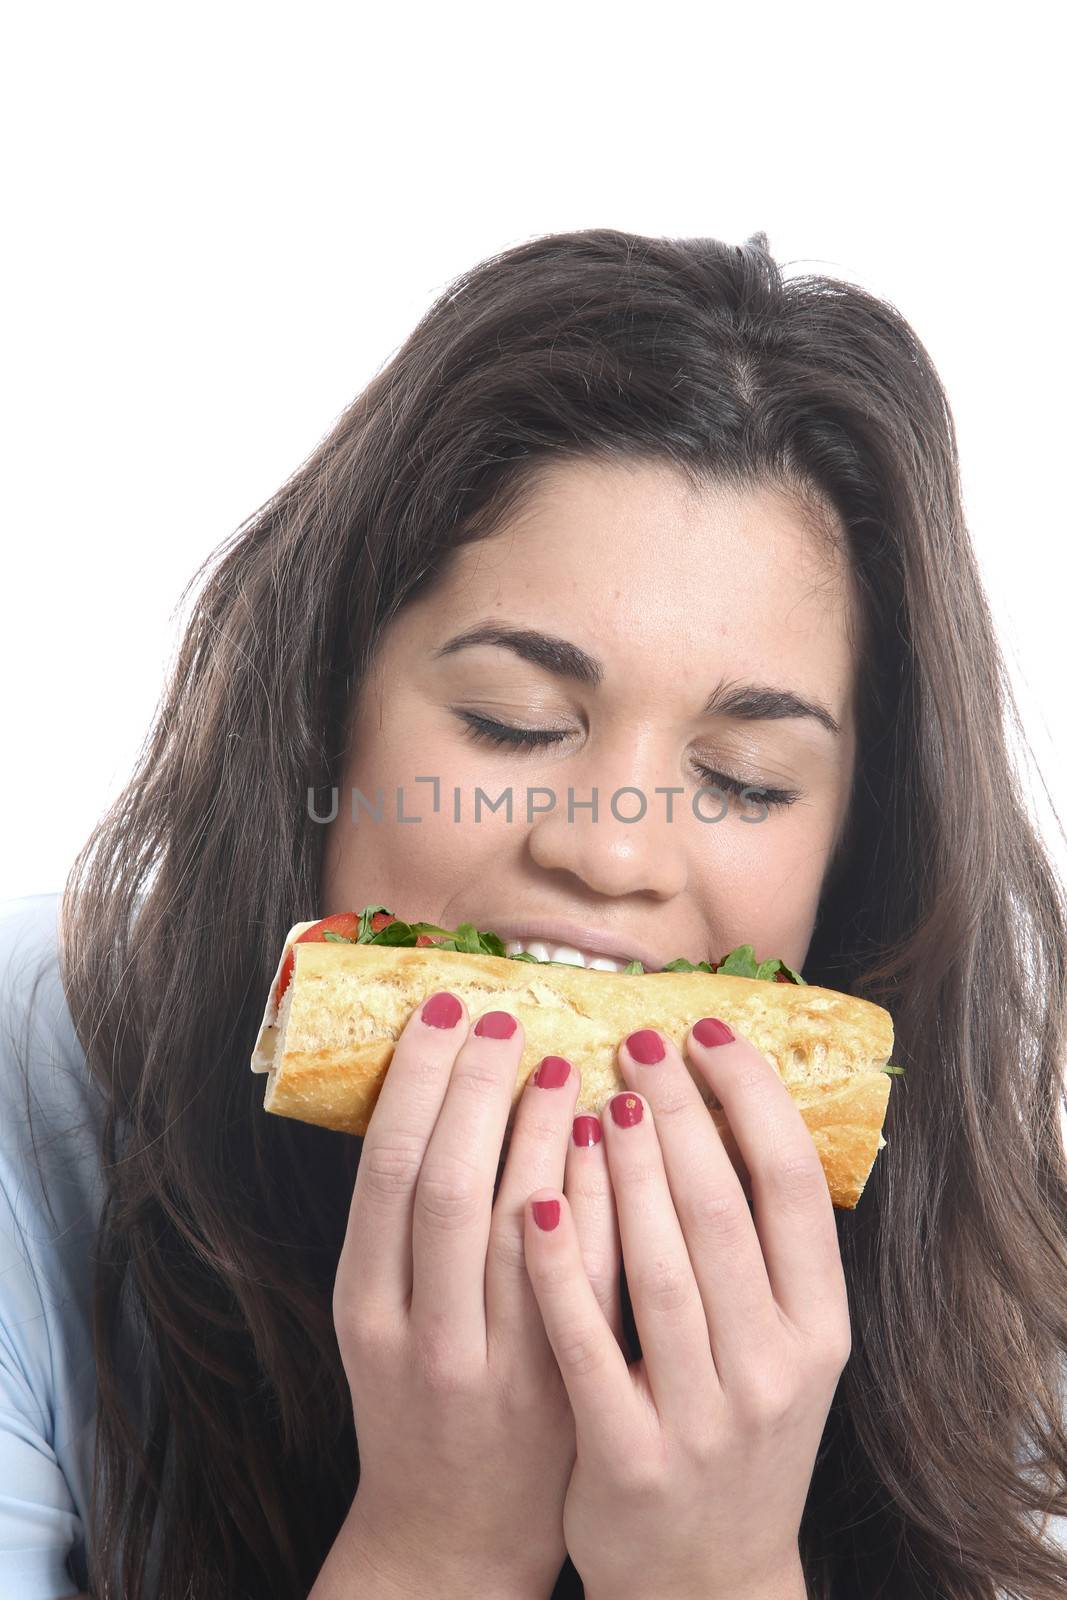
(225, 1428)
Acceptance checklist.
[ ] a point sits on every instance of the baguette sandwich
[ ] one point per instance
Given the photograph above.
(346, 985)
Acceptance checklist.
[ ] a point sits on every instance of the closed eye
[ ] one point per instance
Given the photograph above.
(484, 730)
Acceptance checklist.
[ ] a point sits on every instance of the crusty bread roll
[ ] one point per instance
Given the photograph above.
(328, 1045)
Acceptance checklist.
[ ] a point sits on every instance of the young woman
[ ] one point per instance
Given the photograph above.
(626, 517)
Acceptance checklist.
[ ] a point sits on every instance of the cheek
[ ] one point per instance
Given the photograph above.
(765, 879)
(427, 865)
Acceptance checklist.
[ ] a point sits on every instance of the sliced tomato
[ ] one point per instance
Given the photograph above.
(346, 923)
(284, 975)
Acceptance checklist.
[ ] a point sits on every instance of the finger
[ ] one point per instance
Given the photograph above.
(591, 1364)
(791, 1206)
(709, 1201)
(729, 1144)
(668, 1311)
(377, 1247)
(453, 1197)
(591, 1198)
(537, 1155)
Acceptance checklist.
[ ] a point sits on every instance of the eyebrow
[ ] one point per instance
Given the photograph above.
(749, 702)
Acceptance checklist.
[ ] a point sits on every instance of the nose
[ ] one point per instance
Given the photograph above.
(634, 841)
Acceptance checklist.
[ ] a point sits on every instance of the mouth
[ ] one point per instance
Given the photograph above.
(578, 944)
(572, 955)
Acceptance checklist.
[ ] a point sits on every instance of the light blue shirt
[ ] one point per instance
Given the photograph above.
(47, 1371)
(47, 1377)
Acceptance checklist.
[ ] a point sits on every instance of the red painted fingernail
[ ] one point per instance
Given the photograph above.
(626, 1109)
(552, 1073)
(709, 1030)
(442, 1010)
(646, 1046)
(586, 1132)
(546, 1214)
(495, 1025)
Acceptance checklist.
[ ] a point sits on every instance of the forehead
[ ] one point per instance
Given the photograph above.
(631, 560)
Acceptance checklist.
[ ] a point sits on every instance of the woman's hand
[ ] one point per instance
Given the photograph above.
(693, 1464)
(465, 1432)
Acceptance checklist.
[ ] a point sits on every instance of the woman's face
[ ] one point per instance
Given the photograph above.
(678, 601)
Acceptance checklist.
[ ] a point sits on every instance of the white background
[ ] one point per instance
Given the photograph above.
(223, 220)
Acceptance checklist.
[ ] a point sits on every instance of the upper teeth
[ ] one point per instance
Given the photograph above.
(565, 952)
